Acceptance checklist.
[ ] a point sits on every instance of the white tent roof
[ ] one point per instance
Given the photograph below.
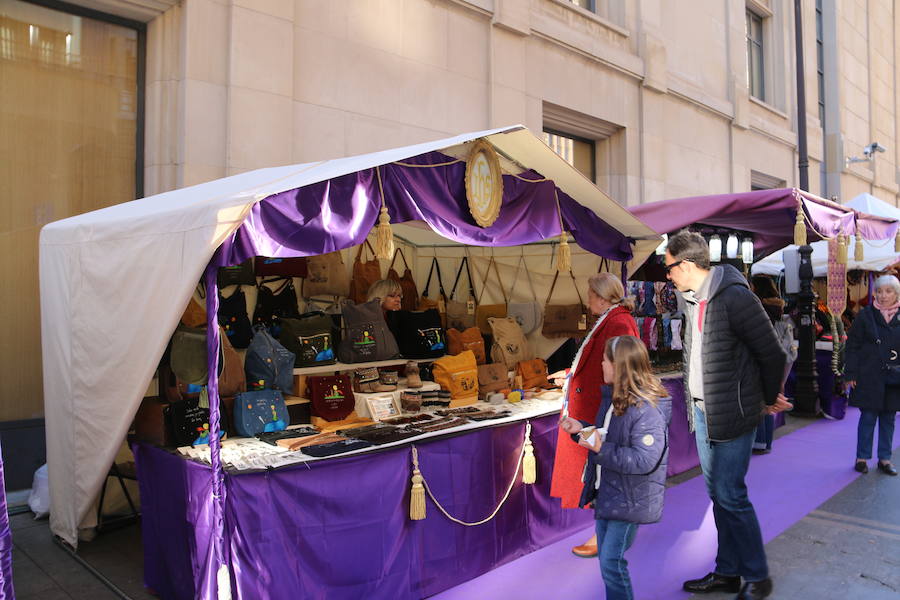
(115, 281)
(877, 255)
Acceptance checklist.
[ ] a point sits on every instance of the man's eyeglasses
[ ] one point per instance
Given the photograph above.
(669, 268)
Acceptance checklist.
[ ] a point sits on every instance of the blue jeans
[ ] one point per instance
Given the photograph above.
(613, 539)
(865, 431)
(764, 433)
(724, 466)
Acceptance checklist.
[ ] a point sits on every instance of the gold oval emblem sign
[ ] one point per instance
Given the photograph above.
(484, 183)
(647, 440)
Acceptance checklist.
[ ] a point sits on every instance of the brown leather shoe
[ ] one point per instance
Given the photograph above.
(585, 551)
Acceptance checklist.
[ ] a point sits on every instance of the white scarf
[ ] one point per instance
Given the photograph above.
(577, 361)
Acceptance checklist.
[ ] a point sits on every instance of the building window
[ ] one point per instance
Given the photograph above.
(579, 152)
(755, 58)
(585, 4)
(820, 79)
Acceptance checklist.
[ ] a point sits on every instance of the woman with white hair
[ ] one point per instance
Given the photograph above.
(872, 372)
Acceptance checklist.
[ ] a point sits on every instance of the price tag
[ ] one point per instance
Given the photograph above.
(582, 322)
(470, 306)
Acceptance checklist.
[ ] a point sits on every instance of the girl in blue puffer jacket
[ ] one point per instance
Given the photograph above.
(625, 474)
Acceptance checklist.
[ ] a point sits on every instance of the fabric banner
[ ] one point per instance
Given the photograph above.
(837, 281)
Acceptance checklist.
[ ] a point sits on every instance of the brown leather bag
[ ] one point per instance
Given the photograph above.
(485, 311)
(365, 273)
(533, 373)
(326, 276)
(492, 378)
(565, 320)
(410, 299)
(461, 314)
(470, 339)
(195, 313)
(233, 379)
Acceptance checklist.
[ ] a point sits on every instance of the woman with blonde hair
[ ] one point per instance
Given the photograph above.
(625, 475)
(581, 387)
(388, 291)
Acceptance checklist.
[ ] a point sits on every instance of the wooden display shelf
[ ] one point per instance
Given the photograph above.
(339, 366)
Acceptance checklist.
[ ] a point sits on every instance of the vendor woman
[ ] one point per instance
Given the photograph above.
(582, 382)
(388, 291)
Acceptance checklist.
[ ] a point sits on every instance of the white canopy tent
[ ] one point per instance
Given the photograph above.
(114, 282)
(877, 255)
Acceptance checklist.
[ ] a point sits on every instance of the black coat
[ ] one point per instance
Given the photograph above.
(865, 359)
(743, 363)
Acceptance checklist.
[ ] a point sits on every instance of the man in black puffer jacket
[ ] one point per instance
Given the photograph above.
(733, 371)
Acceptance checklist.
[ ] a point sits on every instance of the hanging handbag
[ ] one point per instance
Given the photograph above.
(267, 363)
(533, 373)
(461, 315)
(281, 267)
(492, 378)
(419, 334)
(241, 274)
(565, 320)
(195, 313)
(366, 336)
(188, 355)
(470, 339)
(262, 411)
(458, 375)
(232, 379)
(441, 303)
(233, 318)
(407, 283)
(331, 397)
(187, 422)
(527, 314)
(326, 276)
(485, 311)
(310, 337)
(510, 346)
(272, 305)
(365, 273)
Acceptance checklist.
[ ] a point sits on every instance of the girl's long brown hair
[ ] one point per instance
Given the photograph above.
(634, 380)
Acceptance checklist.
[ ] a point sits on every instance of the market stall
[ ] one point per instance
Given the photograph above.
(115, 282)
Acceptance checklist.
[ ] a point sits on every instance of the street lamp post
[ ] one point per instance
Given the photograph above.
(806, 391)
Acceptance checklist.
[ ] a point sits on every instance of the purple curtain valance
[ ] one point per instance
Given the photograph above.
(339, 213)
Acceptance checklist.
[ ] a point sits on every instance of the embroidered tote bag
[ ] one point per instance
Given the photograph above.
(419, 334)
(331, 397)
(366, 336)
(267, 363)
(261, 411)
(326, 276)
(459, 375)
(510, 346)
(310, 338)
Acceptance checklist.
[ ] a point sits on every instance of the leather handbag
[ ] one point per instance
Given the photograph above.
(267, 363)
(366, 336)
(510, 346)
(326, 276)
(195, 313)
(310, 338)
(233, 318)
(527, 314)
(461, 315)
(331, 397)
(188, 355)
(273, 305)
(485, 311)
(533, 373)
(492, 378)
(419, 334)
(280, 267)
(410, 300)
(365, 273)
(261, 411)
(241, 274)
(232, 380)
(459, 375)
(441, 302)
(470, 339)
(565, 320)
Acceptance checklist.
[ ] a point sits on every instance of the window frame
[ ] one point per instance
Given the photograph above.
(759, 44)
(591, 143)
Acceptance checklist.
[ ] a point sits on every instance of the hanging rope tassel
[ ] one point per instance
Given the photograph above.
(842, 246)
(417, 492)
(800, 226)
(529, 463)
(858, 252)
(384, 236)
(564, 260)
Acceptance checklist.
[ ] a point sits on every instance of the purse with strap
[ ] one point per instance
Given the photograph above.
(310, 337)
(366, 336)
(326, 275)
(410, 300)
(331, 397)
(533, 373)
(419, 334)
(492, 378)
(262, 411)
(273, 305)
(470, 339)
(565, 320)
(484, 311)
(233, 318)
(510, 346)
(441, 303)
(459, 375)
(195, 313)
(267, 363)
(527, 314)
(365, 273)
(461, 315)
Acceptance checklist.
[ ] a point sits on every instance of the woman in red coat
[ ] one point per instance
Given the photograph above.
(606, 299)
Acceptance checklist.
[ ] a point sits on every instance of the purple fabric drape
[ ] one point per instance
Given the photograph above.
(340, 212)
(340, 528)
(768, 214)
(6, 581)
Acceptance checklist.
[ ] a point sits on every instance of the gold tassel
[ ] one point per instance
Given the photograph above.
(842, 249)
(897, 242)
(417, 492)
(800, 227)
(529, 464)
(858, 252)
(384, 236)
(564, 260)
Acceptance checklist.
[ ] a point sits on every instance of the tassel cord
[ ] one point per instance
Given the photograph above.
(502, 500)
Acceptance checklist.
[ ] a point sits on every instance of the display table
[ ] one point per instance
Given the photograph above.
(833, 403)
